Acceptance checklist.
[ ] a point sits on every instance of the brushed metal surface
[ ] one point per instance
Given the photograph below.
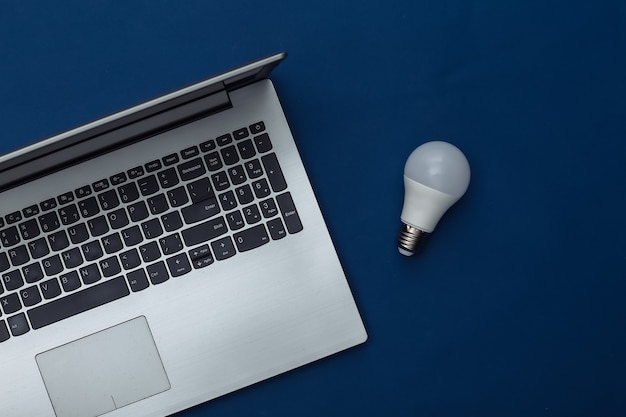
(218, 329)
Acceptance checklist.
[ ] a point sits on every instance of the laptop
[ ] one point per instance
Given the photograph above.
(163, 256)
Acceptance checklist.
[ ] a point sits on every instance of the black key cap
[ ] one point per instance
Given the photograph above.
(135, 172)
(31, 211)
(253, 168)
(235, 220)
(201, 211)
(228, 200)
(201, 257)
(204, 231)
(9, 236)
(90, 274)
(170, 159)
(237, 174)
(258, 127)
(14, 217)
(150, 252)
(1, 222)
(276, 228)
(268, 208)
(261, 188)
(78, 233)
(72, 258)
(208, 146)
(19, 255)
(52, 265)
(70, 281)
(128, 192)
(118, 219)
(263, 143)
(100, 185)
(190, 152)
(244, 194)
(220, 181)
(65, 198)
(168, 178)
(153, 166)
(92, 250)
(171, 221)
(246, 149)
(224, 139)
(148, 185)
(98, 226)
(251, 238)
(223, 248)
(289, 212)
(178, 196)
(83, 191)
(29, 229)
(58, 241)
(88, 207)
(50, 288)
(32, 273)
(200, 190)
(69, 214)
(132, 236)
(112, 243)
(12, 280)
(110, 266)
(178, 265)
(171, 244)
(30, 296)
(10, 303)
(18, 324)
(78, 302)
(252, 214)
(49, 222)
(192, 169)
(138, 211)
(241, 133)
(137, 280)
(108, 200)
(213, 161)
(158, 204)
(118, 179)
(152, 228)
(157, 273)
(49, 204)
(229, 155)
(4, 264)
(274, 173)
(4, 332)
(130, 259)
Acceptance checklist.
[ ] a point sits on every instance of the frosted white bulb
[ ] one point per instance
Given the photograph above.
(436, 175)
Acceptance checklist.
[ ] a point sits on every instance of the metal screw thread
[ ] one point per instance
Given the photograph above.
(409, 239)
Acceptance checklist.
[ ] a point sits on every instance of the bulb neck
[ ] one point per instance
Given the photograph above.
(410, 239)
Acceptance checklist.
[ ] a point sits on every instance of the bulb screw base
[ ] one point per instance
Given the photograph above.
(410, 239)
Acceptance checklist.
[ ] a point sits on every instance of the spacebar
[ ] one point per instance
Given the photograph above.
(78, 302)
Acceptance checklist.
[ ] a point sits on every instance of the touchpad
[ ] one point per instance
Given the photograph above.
(103, 371)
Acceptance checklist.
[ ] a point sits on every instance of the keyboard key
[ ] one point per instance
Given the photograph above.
(48, 204)
(258, 127)
(69, 214)
(132, 236)
(128, 192)
(31, 211)
(251, 238)
(137, 280)
(98, 226)
(192, 169)
(29, 229)
(252, 214)
(200, 190)
(158, 204)
(92, 250)
(78, 233)
(88, 207)
(18, 324)
(224, 139)
(52, 265)
(235, 220)
(253, 168)
(228, 200)
(208, 146)
(157, 273)
(118, 179)
(201, 257)
(10, 236)
(90, 274)
(178, 265)
(268, 208)
(110, 266)
(12, 280)
(83, 191)
(32, 273)
(229, 155)
(130, 259)
(4, 264)
(50, 288)
(13, 217)
(58, 241)
(100, 185)
(213, 161)
(171, 244)
(153, 166)
(220, 181)
(237, 174)
(171, 221)
(241, 133)
(274, 173)
(108, 200)
(72, 258)
(138, 211)
(246, 149)
(10, 303)
(152, 229)
(223, 248)
(65, 198)
(168, 178)
(30, 296)
(170, 159)
(204, 231)
(118, 219)
(178, 196)
(190, 152)
(19, 255)
(135, 172)
(289, 212)
(263, 143)
(70, 281)
(150, 252)
(261, 188)
(148, 185)
(201, 211)
(4, 332)
(244, 194)
(78, 302)
(49, 222)
(276, 229)
(112, 243)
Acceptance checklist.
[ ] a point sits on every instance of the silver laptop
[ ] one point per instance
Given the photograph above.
(164, 256)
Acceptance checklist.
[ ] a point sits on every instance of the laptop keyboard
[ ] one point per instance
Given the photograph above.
(139, 228)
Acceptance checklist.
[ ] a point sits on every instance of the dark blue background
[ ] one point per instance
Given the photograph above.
(517, 305)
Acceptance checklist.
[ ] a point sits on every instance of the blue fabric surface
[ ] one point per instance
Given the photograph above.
(516, 307)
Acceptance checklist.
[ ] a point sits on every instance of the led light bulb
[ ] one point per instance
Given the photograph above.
(436, 175)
